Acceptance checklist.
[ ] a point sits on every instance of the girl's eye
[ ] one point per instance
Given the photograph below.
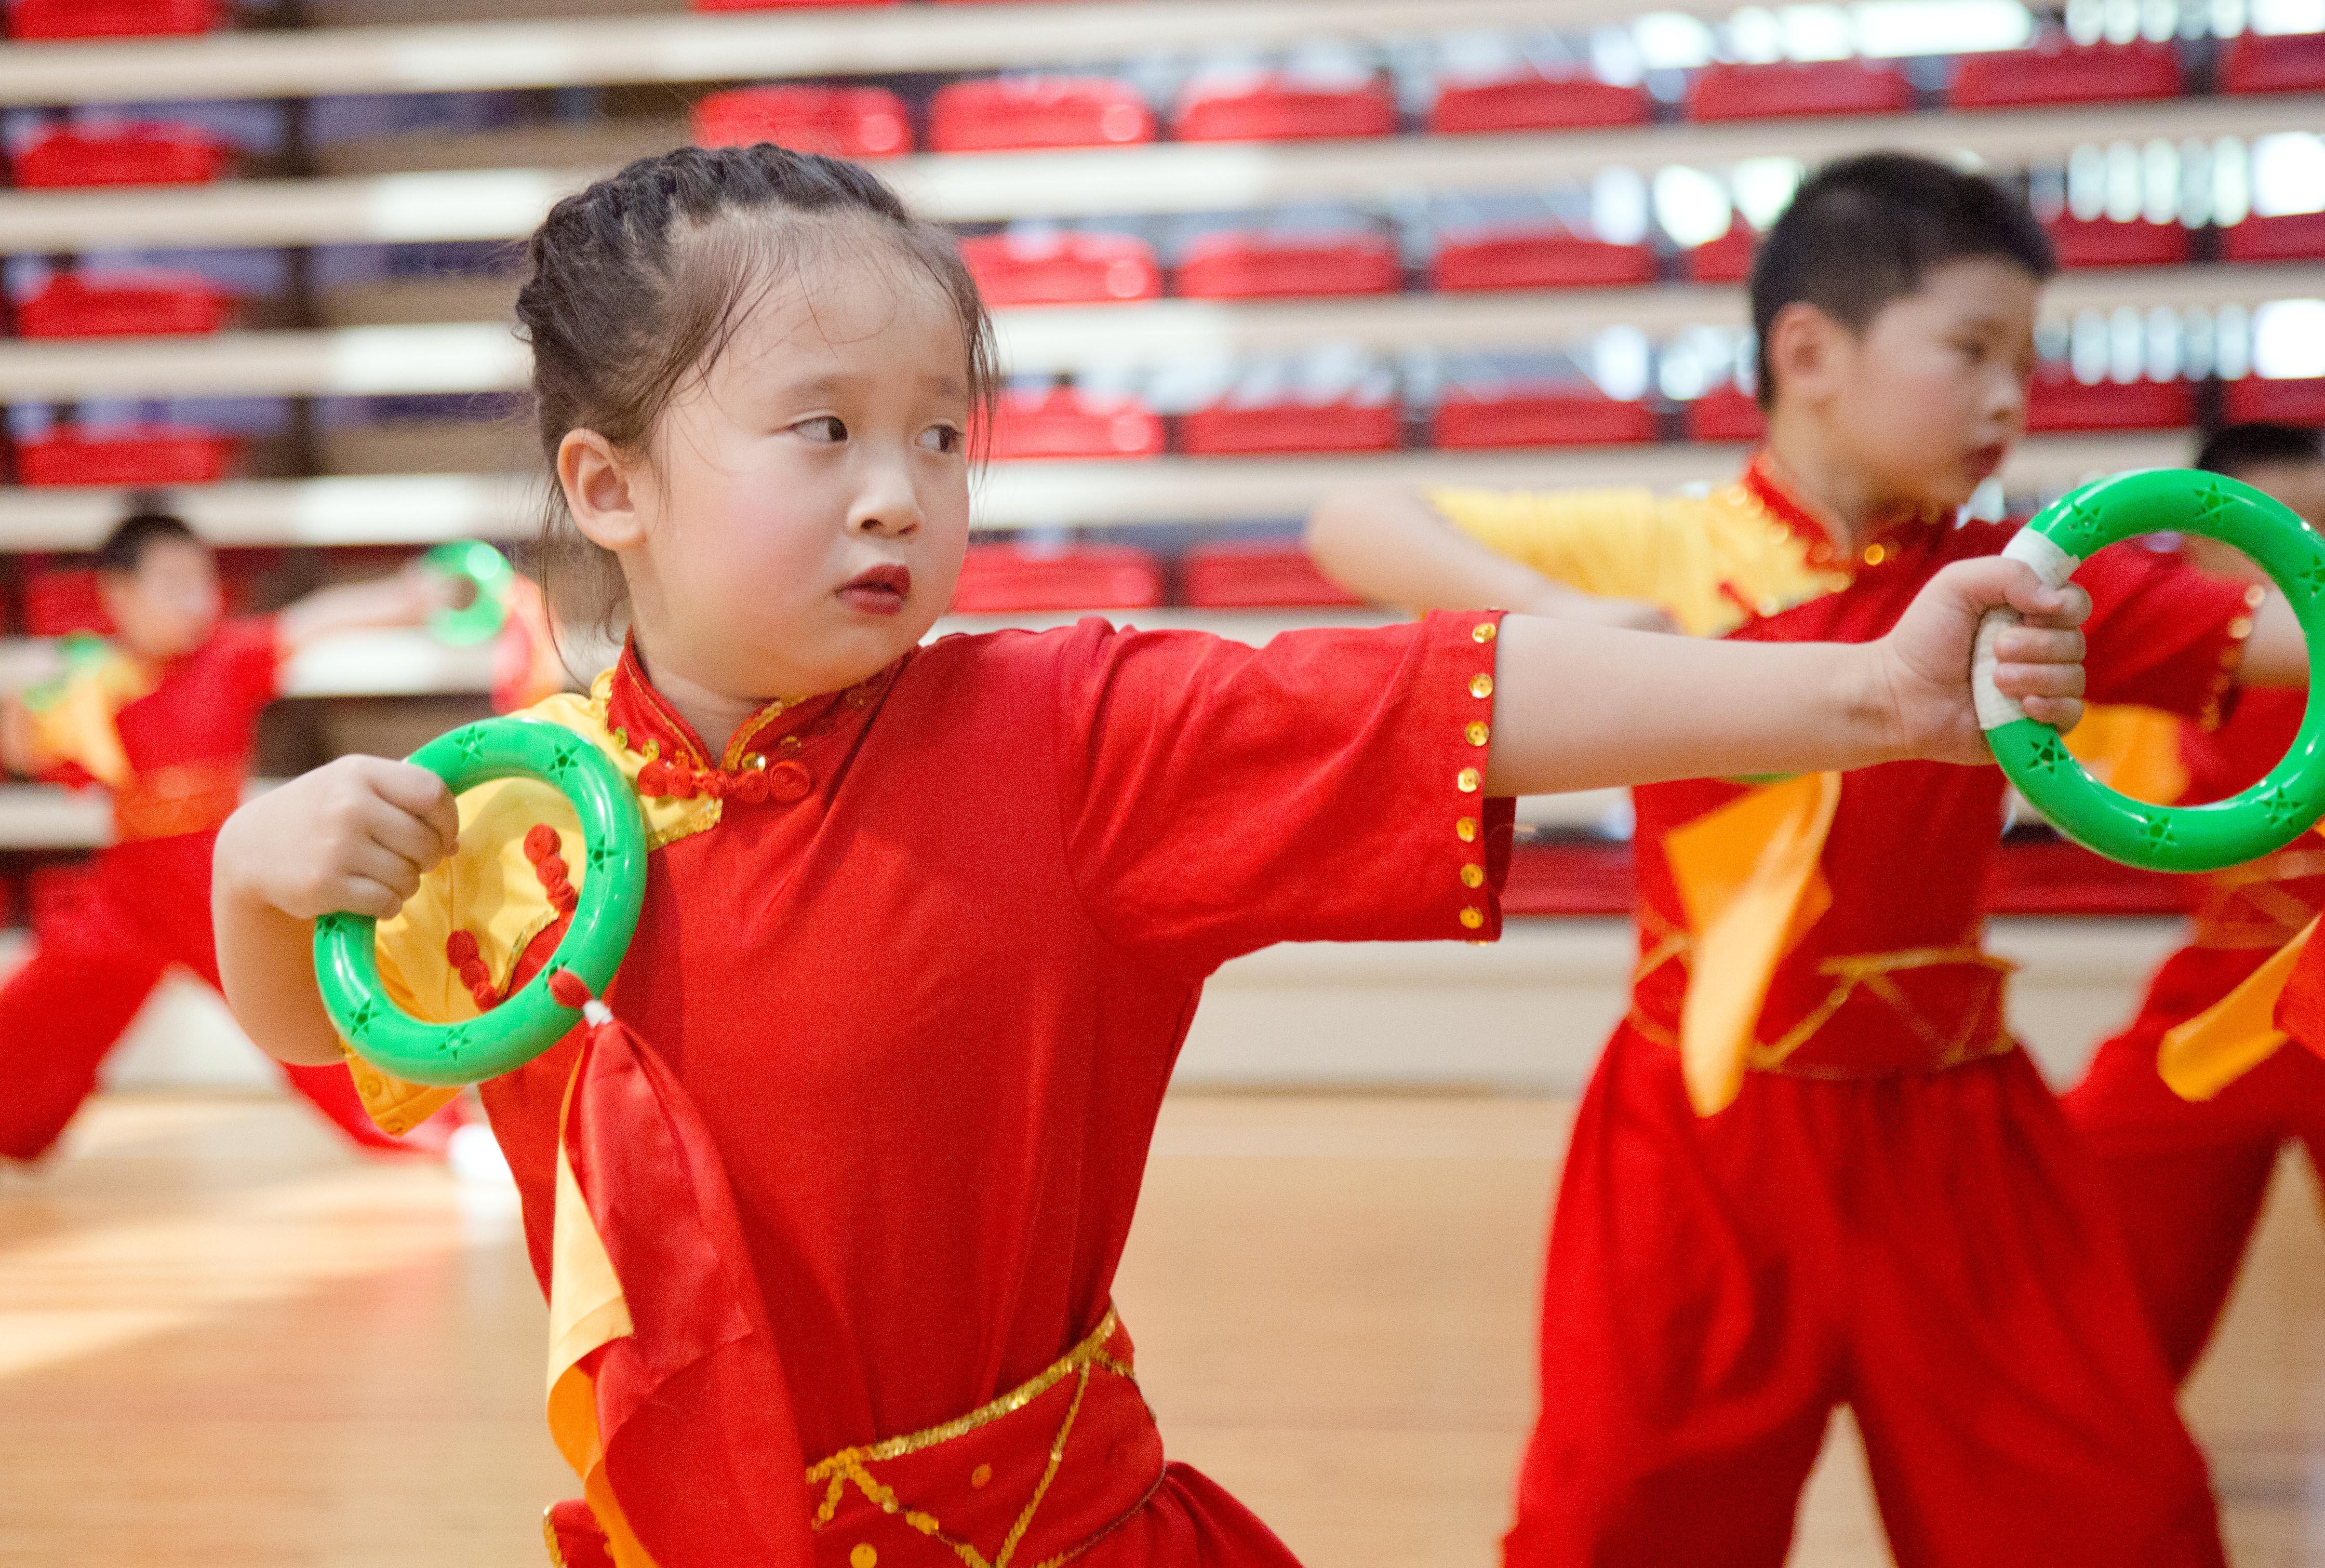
(941, 437)
(824, 427)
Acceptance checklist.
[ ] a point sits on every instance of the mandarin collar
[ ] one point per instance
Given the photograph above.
(1816, 529)
(643, 722)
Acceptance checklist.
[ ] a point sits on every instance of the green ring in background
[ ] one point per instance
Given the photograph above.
(481, 618)
(611, 891)
(2265, 818)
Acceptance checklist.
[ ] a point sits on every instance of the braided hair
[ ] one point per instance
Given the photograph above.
(638, 284)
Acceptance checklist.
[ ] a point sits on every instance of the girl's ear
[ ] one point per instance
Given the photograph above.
(600, 490)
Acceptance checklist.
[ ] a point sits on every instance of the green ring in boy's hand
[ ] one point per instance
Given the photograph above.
(481, 618)
(611, 891)
(2266, 817)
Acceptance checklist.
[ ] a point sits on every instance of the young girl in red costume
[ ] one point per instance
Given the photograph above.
(828, 1260)
(164, 712)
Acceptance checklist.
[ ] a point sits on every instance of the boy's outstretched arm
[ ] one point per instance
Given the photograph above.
(407, 599)
(1586, 708)
(2276, 655)
(1390, 545)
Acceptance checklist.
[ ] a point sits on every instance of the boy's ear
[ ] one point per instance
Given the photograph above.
(1807, 348)
(599, 489)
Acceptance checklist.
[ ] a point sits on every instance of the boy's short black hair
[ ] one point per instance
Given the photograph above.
(1867, 230)
(2235, 449)
(124, 548)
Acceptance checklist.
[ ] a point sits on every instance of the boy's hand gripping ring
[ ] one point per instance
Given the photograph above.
(2266, 817)
(612, 888)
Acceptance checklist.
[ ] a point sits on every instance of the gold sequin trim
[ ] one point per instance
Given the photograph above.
(1466, 829)
(1482, 687)
(1484, 632)
(1473, 875)
(1478, 734)
(1473, 917)
(1467, 780)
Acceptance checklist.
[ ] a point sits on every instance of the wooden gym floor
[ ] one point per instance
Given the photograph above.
(224, 1340)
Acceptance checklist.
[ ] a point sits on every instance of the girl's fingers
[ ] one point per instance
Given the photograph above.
(362, 895)
(2061, 713)
(383, 867)
(413, 839)
(419, 793)
(2039, 646)
(2025, 680)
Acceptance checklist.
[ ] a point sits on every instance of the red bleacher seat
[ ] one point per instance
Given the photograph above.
(149, 304)
(112, 18)
(1724, 260)
(1256, 577)
(1018, 113)
(1274, 110)
(1009, 577)
(1726, 413)
(2284, 63)
(144, 154)
(1541, 418)
(137, 455)
(1826, 87)
(781, 4)
(2293, 236)
(2057, 401)
(1227, 430)
(841, 122)
(1537, 103)
(2296, 401)
(2101, 241)
(1062, 268)
(1238, 265)
(60, 601)
(2062, 73)
(1540, 259)
(1063, 423)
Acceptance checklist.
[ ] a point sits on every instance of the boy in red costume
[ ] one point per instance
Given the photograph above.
(2188, 1176)
(165, 713)
(1813, 1167)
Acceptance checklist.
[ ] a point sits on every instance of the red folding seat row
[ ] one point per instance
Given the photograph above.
(780, 4)
(1239, 576)
(1826, 86)
(1061, 421)
(2284, 63)
(2062, 73)
(1539, 259)
(2291, 237)
(1726, 413)
(1229, 429)
(1062, 268)
(1274, 108)
(1245, 266)
(148, 153)
(1537, 103)
(2056, 402)
(1540, 418)
(1724, 260)
(841, 122)
(150, 304)
(113, 18)
(2298, 401)
(131, 455)
(996, 578)
(1013, 113)
(2101, 241)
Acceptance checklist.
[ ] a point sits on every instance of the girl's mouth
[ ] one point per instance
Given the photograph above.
(881, 591)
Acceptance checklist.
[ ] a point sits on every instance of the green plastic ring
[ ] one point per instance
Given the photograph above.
(612, 890)
(2265, 818)
(481, 618)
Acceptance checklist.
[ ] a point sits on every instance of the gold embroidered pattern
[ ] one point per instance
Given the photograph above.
(848, 1468)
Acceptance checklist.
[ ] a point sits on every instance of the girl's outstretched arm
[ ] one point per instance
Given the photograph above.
(1582, 706)
(355, 834)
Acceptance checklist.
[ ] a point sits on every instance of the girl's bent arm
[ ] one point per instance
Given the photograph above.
(1579, 707)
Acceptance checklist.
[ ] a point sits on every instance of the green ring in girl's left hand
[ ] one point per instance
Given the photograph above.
(489, 572)
(605, 917)
(2265, 818)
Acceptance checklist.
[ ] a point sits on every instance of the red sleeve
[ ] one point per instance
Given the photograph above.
(2257, 733)
(1219, 798)
(2162, 635)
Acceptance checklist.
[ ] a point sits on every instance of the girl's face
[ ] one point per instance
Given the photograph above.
(800, 520)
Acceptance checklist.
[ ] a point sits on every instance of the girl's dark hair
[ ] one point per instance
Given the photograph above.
(1869, 229)
(639, 283)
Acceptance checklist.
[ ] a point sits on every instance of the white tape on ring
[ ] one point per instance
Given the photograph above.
(2054, 566)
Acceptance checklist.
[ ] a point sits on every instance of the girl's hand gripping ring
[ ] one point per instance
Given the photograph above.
(489, 572)
(612, 889)
(2266, 817)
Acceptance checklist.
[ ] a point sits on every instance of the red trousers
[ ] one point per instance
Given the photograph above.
(2187, 1178)
(1933, 1251)
(145, 907)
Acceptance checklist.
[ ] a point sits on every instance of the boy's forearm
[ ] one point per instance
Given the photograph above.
(267, 967)
(1392, 547)
(2276, 653)
(1591, 708)
(389, 601)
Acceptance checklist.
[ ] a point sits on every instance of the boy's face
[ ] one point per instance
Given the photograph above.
(170, 603)
(1925, 404)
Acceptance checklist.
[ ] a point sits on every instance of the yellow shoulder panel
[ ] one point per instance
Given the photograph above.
(489, 889)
